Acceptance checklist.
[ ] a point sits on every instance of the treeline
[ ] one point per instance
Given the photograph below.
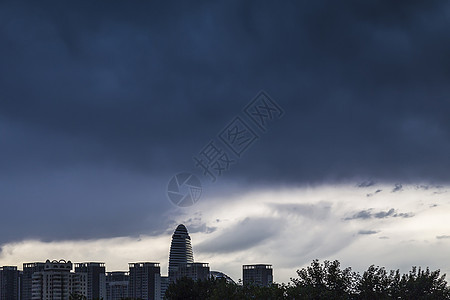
(323, 281)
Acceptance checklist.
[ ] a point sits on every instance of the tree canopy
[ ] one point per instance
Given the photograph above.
(325, 280)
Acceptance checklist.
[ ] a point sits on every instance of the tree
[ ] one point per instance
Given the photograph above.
(374, 284)
(323, 281)
(184, 288)
(420, 284)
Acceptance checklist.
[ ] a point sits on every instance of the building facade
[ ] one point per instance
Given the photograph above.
(180, 251)
(57, 282)
(9, 283)
(144, 280)
(195, 271)
(26, 283)
(163, 286)
(259, 274)
(117, 285)
(96, 279)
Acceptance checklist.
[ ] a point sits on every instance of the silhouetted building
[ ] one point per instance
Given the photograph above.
(163, 286)
(180, 251)
(96, 279)
(9, 283)
(20, 284)
(26, 283)
(57, 282)
(144, 281)
(116, 285)
(220, 275)
(195, 271)
(260, 274)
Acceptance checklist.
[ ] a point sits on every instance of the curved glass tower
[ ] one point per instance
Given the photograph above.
(180, 250)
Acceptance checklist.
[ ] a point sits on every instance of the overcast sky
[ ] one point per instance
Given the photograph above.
(101, 103)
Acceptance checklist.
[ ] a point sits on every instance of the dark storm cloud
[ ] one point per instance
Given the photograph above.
(194, 224)
(244, 235)
(364, 214)
(368, 214)
(398, 187)
(367, 232)
(374, 193)
(439, 192)
(384, 214)
(318, 211)
(366, 184)
(139, 88)
(423, 187)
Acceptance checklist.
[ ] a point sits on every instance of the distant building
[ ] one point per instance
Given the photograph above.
(220, 275)
(9, 283)
(144, 280)
(260, 274)
(116, 285)
(57, 282)
(26, 283)
(180, 251)
(163, 286)
(195, 271)
(96, 279)
(20, 285)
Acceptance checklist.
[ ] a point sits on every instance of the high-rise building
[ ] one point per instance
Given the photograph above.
(259, 274)
(20, 284)
(26, 284)
(116, 285)
(9, 283)
(195, 271)
(96, 279)
(180, 251)
(164, 285)
(57, 282)
(144, 280)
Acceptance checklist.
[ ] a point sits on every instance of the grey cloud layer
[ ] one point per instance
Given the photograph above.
(147, 86)
(368, 214)
(140, 88)
(244, 235)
